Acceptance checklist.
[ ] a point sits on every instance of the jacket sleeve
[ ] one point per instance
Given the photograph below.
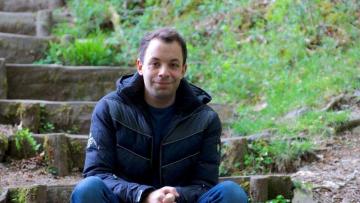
(101, 155)
(206, 174)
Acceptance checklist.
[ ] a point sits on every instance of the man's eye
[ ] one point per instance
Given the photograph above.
(155, 64)
(174, 65)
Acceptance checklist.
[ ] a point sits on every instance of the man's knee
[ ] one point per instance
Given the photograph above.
(233, 191)
(88, 187)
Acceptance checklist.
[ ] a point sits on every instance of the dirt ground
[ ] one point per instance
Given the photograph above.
(27, 172)
(30, 172)
(336, 176)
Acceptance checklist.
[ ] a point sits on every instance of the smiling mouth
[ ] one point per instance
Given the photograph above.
(163, 83)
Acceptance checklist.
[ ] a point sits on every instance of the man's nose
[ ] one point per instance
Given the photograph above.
(164, 71)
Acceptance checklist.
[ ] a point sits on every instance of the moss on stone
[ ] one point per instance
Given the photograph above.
(23, 195)
(4, 145)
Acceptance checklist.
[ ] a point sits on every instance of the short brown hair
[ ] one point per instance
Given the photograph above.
(167, 35)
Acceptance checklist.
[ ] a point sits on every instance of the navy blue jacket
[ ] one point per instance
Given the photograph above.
(120, 143)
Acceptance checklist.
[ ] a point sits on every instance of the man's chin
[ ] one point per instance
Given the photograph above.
(163, 94)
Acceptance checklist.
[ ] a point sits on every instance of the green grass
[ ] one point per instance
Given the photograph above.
(265, 60)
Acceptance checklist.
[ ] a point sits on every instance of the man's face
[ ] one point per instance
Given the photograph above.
(162, 69)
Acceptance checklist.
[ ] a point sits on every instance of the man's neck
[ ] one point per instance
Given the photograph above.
(159, 102)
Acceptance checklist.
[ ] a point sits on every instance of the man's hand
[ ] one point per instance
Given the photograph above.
(163, 195)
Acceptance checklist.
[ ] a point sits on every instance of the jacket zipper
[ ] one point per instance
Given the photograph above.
(168, 134)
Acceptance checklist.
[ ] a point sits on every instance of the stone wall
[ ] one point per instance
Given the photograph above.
(62, 83)
(22, 48)
(3, 79)
(18, 23)
(29, 5)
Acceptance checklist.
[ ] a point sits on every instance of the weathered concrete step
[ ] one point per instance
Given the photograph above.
(60, 83)
(37, 23)
(69, 116)
(18, 48)
(40, 194)
(66, 153)
(18, 23)
(73, 117)
(29, 5)
(272, 185)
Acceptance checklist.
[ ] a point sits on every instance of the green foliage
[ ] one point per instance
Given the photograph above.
(90, 15)
(45, 126)
(279, 199)
(89, 51)
(25, 137)
(276, 155)
(259, 159)
(265, 59)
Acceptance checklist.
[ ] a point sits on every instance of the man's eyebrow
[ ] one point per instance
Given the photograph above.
(154, 59)
(175, 60)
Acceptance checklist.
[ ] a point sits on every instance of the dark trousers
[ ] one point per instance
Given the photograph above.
(93, 189)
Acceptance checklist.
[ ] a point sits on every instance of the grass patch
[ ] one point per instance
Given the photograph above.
(265, 59)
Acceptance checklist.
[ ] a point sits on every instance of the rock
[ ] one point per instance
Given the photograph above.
(280, 185)
(3, 80)
(259, 188)
(3, 195)
(265, 135)
(4, 144)
(43, 23)
(57, 154)
(334, 103)
(295, 113)
(353, 122)
(32, 194)
(59, 193)
(233, 150)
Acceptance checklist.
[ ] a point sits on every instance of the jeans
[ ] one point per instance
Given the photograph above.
(93, 189)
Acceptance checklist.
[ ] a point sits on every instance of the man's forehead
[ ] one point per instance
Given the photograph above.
(158, 50)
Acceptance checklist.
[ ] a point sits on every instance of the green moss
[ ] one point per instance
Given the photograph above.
(4, 144)
(23, 195)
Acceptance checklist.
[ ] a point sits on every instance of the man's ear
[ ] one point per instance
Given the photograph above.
(184, 70)
(139, 66)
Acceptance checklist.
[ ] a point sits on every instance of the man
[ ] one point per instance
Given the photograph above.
(155, 140)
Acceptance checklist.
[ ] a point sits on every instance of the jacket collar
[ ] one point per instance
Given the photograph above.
(188, 96)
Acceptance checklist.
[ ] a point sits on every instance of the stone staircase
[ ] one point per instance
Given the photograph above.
(64, 96)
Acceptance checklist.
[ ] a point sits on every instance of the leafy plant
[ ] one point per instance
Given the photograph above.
(45, 126)
(279, 199)
(276, 155)
(25, 137)
(260, 158)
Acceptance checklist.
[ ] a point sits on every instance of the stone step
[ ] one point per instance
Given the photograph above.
(66, 152)
(68, 116)
(18, 23)
(18, 48)
(270, 187)
(29, 5)
(37, 23)
(72, 117)
(60, 83)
